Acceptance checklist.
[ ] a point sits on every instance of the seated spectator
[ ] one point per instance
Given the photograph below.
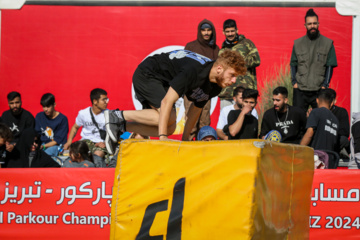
(5, 138)
(222, 122)
(16, 118)
(207, 133)
(80, 156)
(344, 126)
(241, 124)
(322, 125)
(27, 153)
(355, 132)
(354, 162)
(51, 125)
(290, 121)
(92, 121)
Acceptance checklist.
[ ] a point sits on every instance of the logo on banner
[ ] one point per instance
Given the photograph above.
(175, 218)
(179, 105)
(326, 195)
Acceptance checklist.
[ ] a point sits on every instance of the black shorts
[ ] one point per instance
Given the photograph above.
(150, 87)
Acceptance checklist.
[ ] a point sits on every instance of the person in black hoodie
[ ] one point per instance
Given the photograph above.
(5, 138)
(205, 44)
(27, 153)
(16, 118)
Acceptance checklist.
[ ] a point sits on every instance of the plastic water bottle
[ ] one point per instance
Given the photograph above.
(60, 149)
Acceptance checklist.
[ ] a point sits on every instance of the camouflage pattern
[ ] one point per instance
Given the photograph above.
(93, 148)
(249, 52)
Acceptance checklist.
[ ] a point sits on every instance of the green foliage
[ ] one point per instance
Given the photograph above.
(280, 77)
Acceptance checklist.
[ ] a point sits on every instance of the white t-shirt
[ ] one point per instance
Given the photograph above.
(89, 130)
(224, 115)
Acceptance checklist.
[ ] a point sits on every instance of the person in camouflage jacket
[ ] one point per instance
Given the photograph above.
(248, 51)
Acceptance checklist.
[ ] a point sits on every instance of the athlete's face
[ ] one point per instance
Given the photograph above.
(226, 77)
(280, 102)
(15, 105)
(49, 110)
(230, 33)
(102, 102)
(2, 141)
(206, 33)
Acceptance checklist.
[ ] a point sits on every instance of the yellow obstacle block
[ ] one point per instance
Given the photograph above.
(240, 189)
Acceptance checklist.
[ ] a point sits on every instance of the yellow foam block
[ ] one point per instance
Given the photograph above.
(240, 189)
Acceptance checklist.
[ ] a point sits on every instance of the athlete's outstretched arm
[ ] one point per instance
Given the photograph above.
(192, 117)
(165, 110)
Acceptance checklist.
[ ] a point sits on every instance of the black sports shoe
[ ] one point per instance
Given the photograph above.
(114, 123)
(110, 145)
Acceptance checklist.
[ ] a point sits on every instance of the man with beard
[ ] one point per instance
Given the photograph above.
(248, 51)
(205, 44)
(160, 80)
(290, 121)
(222, 122)
(17, 118)
(312, 61)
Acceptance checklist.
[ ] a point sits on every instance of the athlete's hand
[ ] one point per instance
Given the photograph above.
(295, 85)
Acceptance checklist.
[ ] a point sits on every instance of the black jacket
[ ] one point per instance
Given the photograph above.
(19, 157)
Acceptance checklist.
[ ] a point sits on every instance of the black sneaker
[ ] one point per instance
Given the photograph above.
(110, 145)
(114, 123)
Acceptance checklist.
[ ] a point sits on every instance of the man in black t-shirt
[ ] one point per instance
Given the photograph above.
(161, 79)
(344, 125)
(17, 118)
(290, 121)
(322, 125)
(241, 123)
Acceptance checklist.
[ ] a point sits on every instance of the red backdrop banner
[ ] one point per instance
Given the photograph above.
(55, 204)
(69, 50)
(335, 212)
